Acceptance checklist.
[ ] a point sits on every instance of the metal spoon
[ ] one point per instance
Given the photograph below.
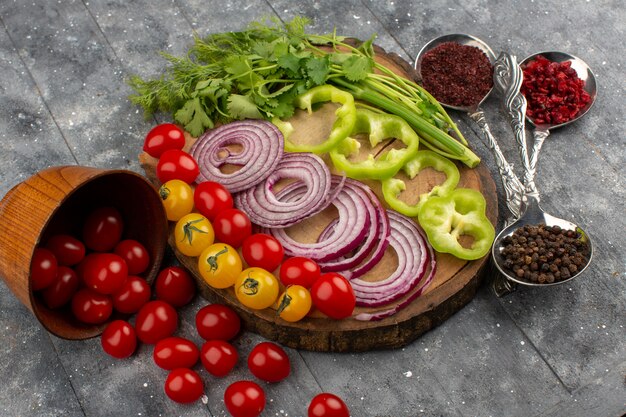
(512, 185)
(508, 76)
(543, 130)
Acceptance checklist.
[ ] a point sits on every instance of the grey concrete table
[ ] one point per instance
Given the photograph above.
(537, 352)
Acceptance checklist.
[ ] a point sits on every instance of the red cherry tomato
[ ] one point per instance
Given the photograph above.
(299, 271)
(332, 294)
(67, 249)
(134, 293)
(232, 226)
(327, 405)
(43, 269)
(269, 362)
(155, 321)
(62, 289)
(103, 229)
(91, 307)
(219, 357)
(263, 251)
(244, 399)
(210, 198)
(175, 164)
(175, 352)
(217, 322)
(134, 254)
(119, 339)
(184, 386)
(162, 138)
(104, 272)
(175, 286)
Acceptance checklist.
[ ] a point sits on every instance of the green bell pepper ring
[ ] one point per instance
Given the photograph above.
(344, 122)
(379, 126)
(392, 187)
(462, 212)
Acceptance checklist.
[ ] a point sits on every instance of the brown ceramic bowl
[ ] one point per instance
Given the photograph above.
(57, 200)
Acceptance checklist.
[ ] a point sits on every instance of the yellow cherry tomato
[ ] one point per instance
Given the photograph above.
(256, 288)
(177, 197)
(294, 303)
(193, 234)
(220, 265)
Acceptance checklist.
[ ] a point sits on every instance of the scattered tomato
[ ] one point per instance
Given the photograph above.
(299, 270)
(220, 265)
(103, 229)
(119, 339)
(262, 250)
(210, 198)
(184, 386)
(177, 197)
(332, 294)
(244, 399)
(43, 269)
(327, 405)
(67, 249)
(162, 138)
(134, 254)
(294, 303)
(175, 352)
(104, 272)
(219, 357)
(155, 321)
(91, 307)
(269, 362)
(193, 234)
(175, 164)
(232, 226)
(217, 322)
(134, 294)
(256, 288)
(62, 289)
(175, 286)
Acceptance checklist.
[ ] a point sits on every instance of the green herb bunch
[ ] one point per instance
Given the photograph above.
(257, 73)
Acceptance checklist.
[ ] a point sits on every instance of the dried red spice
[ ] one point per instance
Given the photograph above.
(553, 91)
(457, 75)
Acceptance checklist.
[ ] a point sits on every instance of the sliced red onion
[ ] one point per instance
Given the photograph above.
(413, 254)
(356, 219)
(312, 195)
(372, 249)
(262, 148)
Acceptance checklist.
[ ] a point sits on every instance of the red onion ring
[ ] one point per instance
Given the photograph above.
(356, 219)
(262, 145)
(413, 256)
(285, 208)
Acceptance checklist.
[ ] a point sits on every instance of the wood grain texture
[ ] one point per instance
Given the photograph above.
(63, 101)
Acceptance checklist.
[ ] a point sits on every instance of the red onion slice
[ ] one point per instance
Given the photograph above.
(413, 254)
(356, 219)
(262, 148)
(283, 209)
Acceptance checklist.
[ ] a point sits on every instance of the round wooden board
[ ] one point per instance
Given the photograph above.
(453, 286)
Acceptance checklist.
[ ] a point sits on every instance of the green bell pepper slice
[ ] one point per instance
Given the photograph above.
(379, 126)
(392, 187)
(462, 212)
(344, 122)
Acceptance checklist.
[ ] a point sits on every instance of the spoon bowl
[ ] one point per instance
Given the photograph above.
(584, 73)
(462, 39)
(534, 215)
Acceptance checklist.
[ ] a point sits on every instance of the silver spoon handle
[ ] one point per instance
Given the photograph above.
(539, 137)
(513, 188)
(508, 77)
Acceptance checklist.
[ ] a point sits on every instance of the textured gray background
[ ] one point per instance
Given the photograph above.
(559, 351)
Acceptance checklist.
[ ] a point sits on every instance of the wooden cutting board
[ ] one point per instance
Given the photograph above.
(454, 285)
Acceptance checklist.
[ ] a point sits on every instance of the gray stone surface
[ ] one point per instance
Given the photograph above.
(544, 352)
